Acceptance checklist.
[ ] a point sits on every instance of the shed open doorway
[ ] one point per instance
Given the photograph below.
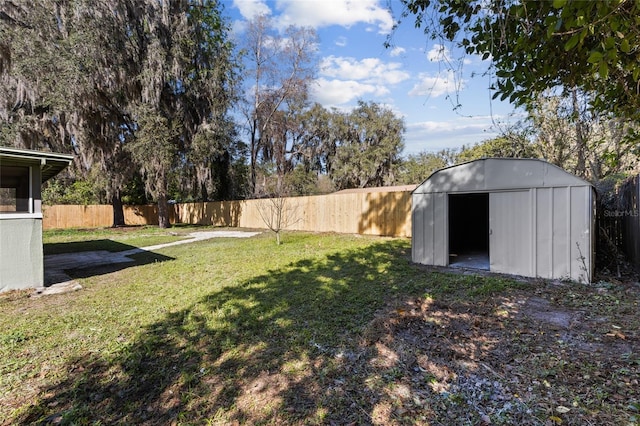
(469, 230)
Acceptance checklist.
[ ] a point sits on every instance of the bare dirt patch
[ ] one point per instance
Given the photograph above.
(553, 353)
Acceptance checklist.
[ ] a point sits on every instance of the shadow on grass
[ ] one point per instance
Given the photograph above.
(294, 345)
(142, 257)
(82, 246)
(91, 258)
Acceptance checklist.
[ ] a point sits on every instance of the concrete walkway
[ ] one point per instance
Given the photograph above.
(57, 281)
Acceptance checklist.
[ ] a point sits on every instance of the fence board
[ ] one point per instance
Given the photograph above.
(76, 216)
(619, 227)
(367, 213)
(630, 214)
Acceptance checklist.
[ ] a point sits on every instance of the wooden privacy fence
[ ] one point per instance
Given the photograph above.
(619, 224)
(96, 216)
(385, 213)
(630, 208)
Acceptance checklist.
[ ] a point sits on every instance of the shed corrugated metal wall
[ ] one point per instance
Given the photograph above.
(541, 218)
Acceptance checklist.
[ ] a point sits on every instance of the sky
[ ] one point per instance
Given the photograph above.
(415, 77)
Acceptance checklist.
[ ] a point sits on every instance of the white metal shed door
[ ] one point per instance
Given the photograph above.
(510, 232)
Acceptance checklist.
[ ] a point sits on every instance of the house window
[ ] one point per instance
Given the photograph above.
(15, 192)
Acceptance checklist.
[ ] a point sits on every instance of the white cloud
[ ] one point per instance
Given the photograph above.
(370, 70)
(439, 53)
(345, 79)
(450, 126)
(341, 41)
(397, 51)
(337, 92)
(334, 12)
(436, 85)
(249, 9)
(437, 135)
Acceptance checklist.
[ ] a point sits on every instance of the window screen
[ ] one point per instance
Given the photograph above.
(14, 189)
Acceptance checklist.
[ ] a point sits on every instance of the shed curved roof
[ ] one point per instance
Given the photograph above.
(494, 174)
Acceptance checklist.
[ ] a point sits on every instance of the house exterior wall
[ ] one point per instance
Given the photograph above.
(21, 257)
(541, 218)
(21, 252)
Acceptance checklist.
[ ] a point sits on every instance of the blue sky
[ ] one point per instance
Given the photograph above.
(414, 78)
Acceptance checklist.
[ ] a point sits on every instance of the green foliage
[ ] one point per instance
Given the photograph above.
(62, 191)
(129, 86)
(133, 192)
(187, 81)
(416, 168)
(302, 182)
(503, 146)
(368, 147)
(567, 132)
(353, 149)
(536, 45)
(317, 143)
(239, 175)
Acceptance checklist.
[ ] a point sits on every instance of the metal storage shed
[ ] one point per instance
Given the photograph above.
(516, 216)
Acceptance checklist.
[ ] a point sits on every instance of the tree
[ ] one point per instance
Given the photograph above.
(535, 45)
(66, 69)
(304, 182)
(277, 214)
(318, 138)
(186, 81)
(567, 133)
(279, 71)
(80, 74)
(276, 208)
(416, 168)
(510, 145)
(369, 147)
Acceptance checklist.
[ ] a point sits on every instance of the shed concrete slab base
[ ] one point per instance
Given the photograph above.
(478, 260)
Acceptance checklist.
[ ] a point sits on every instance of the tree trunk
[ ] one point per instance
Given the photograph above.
(118, 212)
(204, 195)
(581, 145)
(163, 206)
(254, 159)
(163, 212)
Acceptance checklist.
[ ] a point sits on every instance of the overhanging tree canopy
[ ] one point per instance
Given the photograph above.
(537, 45)
(121, 83)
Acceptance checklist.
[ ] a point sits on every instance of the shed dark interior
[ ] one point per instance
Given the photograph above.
(469, 230)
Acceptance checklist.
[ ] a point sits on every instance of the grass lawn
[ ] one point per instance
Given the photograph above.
(111, 239)
(324, 329)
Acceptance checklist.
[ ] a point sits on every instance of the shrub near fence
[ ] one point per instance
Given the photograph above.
(376, 211)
